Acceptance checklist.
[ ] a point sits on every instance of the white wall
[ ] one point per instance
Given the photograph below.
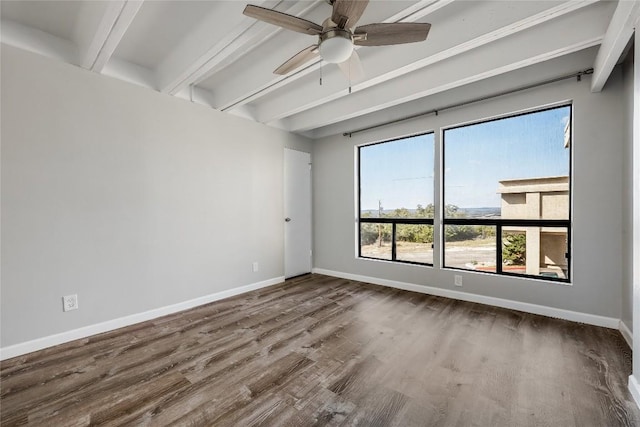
(627, 191)
(597, 197)
(634, 379)
(132, 199)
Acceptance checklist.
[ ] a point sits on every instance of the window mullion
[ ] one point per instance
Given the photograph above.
(393, 241)
(499, 248)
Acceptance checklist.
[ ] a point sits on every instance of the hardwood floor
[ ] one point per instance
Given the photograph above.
(318, 350)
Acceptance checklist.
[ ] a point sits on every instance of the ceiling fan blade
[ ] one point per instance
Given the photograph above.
(283, 20)
(352, 68)
(346, 13)
(392, 33)
(297, 60)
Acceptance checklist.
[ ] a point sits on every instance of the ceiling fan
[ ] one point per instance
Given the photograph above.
(338, 35)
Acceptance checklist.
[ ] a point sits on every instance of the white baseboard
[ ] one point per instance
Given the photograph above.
(626, 334)
(575, 316)
(634, 388)
(109, 325)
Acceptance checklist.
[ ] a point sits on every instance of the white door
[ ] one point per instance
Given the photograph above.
(297, 213)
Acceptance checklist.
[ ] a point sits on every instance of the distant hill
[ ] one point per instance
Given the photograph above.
(481, 212)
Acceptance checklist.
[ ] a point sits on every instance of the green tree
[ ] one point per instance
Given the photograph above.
(426, 212)
(514, 249)
(487, 231)
(457, 233)
(414, 233)
(419, 233)
(399, 213)
(371, 232)
(368, 234)
(452, 211)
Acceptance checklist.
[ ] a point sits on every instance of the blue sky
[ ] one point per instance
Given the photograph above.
(400, 173)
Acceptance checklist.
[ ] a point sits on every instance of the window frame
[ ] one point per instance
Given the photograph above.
(499, 223)
(393, 221)
(439, 221)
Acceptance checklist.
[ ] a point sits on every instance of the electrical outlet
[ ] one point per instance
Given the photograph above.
(70, 302)
(255, 266)
(457, 280)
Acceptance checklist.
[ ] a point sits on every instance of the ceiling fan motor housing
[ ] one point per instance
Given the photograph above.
(336, 45)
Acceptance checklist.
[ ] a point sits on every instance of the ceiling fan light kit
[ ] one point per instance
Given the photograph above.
(338, 35)
(336, 45)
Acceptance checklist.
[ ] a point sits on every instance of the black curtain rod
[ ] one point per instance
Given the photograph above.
(578, 75)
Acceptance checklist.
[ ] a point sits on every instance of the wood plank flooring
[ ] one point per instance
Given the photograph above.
(318, 350)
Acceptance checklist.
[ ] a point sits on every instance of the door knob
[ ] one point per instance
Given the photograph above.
(287, 219)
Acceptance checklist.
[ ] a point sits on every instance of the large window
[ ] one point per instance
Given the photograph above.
(505, 206)
(507, 198)
(396, 200)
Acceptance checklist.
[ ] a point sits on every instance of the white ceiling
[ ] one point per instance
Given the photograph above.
(208, 51)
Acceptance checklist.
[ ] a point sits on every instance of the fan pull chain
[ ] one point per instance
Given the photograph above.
(320, 73)
(350, 64)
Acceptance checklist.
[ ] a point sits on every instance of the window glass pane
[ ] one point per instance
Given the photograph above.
(396, 178)
(414, 243)
(375, 240)
(513, 168)
(472, 247)
(537, 251)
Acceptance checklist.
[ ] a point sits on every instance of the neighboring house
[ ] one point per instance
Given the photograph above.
(539, 198)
